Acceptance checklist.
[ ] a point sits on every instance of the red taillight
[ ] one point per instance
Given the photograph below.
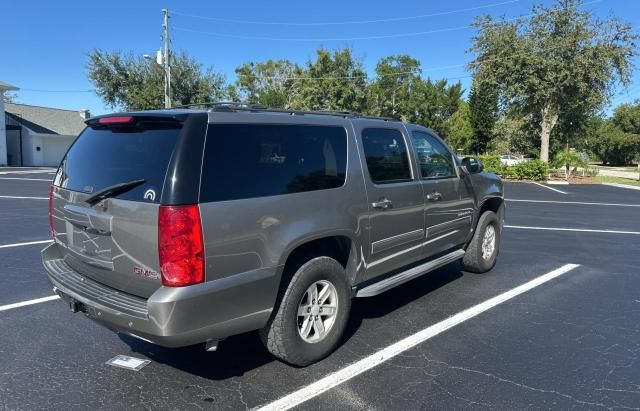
(180, 245)
(53, 233)
(116, 120)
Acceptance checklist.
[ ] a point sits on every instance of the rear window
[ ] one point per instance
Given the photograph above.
(100, 158)
(257, 160)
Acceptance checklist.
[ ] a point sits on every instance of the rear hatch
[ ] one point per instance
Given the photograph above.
(134, 162)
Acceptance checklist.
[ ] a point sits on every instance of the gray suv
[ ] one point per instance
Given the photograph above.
(188, 226)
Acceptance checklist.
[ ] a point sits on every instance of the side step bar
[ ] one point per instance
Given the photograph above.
(410, 274)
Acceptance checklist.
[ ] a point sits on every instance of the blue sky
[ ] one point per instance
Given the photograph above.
(46, 42)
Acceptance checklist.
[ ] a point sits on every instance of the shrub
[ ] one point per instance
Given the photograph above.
(590, 172)
(491, 164)
(533, 170)
(530, 170)
(568, 159)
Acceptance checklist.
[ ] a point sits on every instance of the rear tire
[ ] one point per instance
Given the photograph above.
(482, 251)
(303, 330)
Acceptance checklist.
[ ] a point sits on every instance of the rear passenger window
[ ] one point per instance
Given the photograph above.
(257, 160)
(386, 155)
(433, 157)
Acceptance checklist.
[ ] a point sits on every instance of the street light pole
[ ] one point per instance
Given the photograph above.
(166, 61)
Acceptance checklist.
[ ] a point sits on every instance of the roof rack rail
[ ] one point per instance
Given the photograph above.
(223, 104)
(242, 106)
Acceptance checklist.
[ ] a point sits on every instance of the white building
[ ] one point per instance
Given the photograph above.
(4, 87)
(37, 136)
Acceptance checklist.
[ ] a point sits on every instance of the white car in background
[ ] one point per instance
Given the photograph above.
(510, 160)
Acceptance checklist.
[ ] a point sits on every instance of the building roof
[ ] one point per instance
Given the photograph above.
(47, 120)
(7, 87)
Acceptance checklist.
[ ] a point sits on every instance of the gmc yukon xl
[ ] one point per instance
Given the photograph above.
(186, 226)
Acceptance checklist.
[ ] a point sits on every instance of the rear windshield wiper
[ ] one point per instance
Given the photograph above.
(114, 190)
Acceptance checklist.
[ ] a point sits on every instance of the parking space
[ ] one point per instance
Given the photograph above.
(574, 192)
(576, 216)
(23, 220)
(551, 349)
(19, 189)
(572, 341)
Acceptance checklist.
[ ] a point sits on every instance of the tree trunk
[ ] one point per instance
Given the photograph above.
(547, 124)
(393, 104)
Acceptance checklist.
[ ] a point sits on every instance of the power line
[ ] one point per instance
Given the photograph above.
(336, 23)
(376, 37)
(399, 73)
(385, 36)
(352, 77)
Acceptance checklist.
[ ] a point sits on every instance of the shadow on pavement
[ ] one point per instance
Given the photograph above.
(242, 353)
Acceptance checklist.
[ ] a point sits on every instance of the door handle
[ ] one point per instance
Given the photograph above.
(435, 196)
(383, 203)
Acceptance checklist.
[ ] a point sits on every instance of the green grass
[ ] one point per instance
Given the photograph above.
(618, 180)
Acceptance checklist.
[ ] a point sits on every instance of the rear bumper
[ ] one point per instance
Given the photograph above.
(172, 316)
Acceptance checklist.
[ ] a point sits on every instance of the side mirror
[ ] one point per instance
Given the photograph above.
(473, 165)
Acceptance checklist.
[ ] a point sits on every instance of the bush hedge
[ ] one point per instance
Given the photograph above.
(530, 170)
(491, 164)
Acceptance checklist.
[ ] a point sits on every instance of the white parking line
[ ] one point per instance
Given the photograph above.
(25, 198)
(50, 171)
(28, 302)
(550, 188)
(313, 390)
(582, 230)
(31, 179)
(573, 202)
(27, 243)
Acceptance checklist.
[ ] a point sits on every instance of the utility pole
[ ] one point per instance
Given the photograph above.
(166, 61)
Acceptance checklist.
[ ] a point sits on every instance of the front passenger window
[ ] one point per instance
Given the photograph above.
(433, 157)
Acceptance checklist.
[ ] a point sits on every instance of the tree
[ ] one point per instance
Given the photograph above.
(627, 117)
(483, 105)
(611, 144)
(558, 61)
(270, 83)
(460, 130)
(129, 82)
(432, 103)
(510, 135)
(334, 81)
(389, 94)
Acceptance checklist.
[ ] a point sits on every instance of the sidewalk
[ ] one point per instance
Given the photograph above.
(622, 174)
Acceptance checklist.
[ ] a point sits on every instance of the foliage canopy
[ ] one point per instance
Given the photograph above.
(559, 61)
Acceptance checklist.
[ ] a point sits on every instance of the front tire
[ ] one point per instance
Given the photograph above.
(482, 251)
(309, 321)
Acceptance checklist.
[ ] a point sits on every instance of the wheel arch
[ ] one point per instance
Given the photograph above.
(340, 246)
(495, 204)
(490, 203)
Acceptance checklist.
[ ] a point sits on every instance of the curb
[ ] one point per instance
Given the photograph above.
(621, 186)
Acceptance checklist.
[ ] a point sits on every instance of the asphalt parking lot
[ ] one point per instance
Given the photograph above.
(572, 341)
